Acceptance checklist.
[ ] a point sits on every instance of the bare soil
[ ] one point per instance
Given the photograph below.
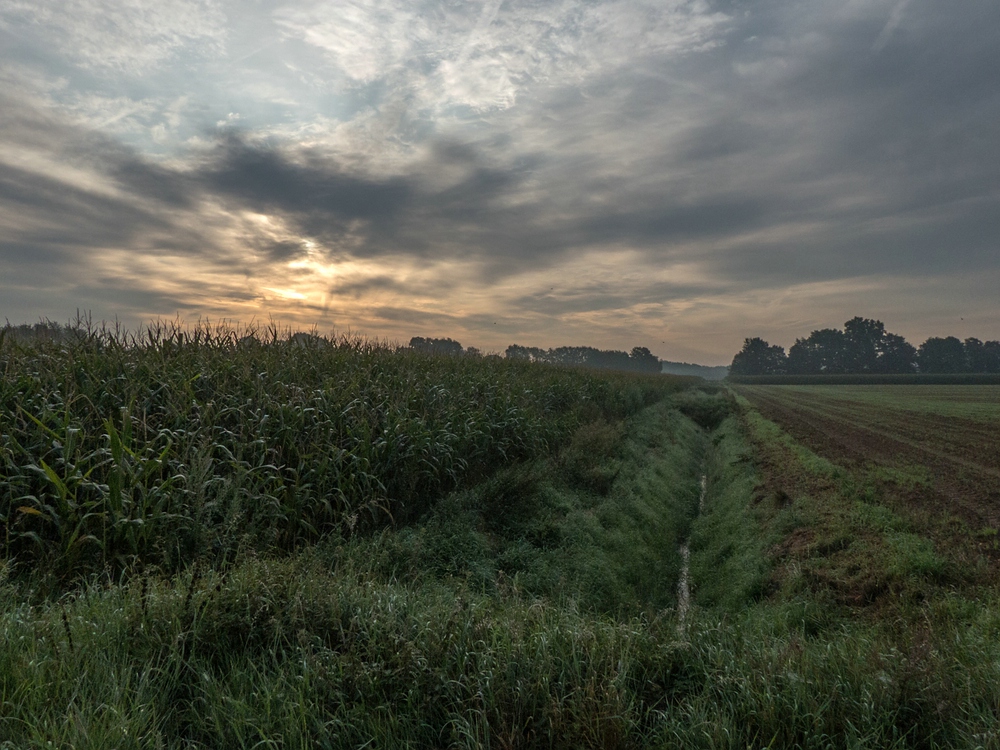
(959, 458)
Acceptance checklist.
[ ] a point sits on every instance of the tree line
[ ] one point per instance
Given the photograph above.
(640, 359)
(862, 347)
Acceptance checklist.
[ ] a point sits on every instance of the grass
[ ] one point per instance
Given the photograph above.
(834, 531)
(552, 533)
(312, 656)
(843, 379)
(975, 402)
(917, 452)
(728, 564)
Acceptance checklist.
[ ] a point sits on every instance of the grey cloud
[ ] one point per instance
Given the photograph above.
(958, 241)
(888, 156)
(67, 216)
(152, 181)
(709, 141)
(471, 199)
(402, 214)
(664, 223)
(279, 251)
(922, 105)
(384, 282)
(128, 296)
(40, 256)
(610, 295)
(445, 323)
(264, 178)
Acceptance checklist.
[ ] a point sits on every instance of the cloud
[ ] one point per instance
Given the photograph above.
(264, 178)
(482, 56)
(127, 36)
(557, 169)
(895, 18)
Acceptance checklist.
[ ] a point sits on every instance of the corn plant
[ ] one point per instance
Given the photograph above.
(122, 449)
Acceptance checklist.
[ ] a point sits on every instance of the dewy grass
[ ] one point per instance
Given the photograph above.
(289, 652)
(321, 649)
(765, 431)
(728, 561)
(553, 533)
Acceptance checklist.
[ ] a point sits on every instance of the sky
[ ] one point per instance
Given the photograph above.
(676, 174)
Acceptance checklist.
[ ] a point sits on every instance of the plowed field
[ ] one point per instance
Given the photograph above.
(947, 435)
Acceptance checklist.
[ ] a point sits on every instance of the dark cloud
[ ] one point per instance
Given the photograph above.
(278, 251)
(267, 179)
(915, 113)
(42, 257)
(610, 295)
(158, 303)
(406, 214)
(666, 223)
(66, 216)
(381, 283)
(726, 137)
(472, 199)
(151, 181)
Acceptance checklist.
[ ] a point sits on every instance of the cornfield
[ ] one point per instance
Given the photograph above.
(120, 450)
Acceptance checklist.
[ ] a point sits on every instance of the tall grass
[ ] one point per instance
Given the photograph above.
(603, 533)
(319, 649)
(121, 449)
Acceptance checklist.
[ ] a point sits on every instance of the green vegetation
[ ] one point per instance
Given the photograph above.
(640, 359)
(505, 577)
(873, 379)
(122, 451)
(979, 403)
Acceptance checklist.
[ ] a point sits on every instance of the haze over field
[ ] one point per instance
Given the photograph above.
(674, 174)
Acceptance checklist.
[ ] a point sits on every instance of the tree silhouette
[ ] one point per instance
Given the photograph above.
(939, 355)
(990, 357)
(644, 360)
(822, 352)
(757, 357)
(898, 355)
(976, 358)
(639, 360)
(863, 344)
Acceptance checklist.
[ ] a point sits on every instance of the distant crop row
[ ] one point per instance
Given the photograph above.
(971, 378)
(122, 450)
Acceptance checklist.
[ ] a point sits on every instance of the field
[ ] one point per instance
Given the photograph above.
(946, 436)
(220, 541)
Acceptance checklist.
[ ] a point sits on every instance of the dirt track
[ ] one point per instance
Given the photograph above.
(961, 456)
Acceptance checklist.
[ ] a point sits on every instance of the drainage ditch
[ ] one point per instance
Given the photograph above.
(684, 584)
